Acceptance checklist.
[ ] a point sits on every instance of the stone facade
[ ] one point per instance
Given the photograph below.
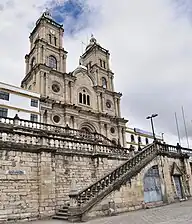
(82, 99)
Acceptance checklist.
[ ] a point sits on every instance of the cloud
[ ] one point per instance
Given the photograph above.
(150, 44)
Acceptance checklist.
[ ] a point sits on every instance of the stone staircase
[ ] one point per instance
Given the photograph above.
(62, 213)
(83, 201)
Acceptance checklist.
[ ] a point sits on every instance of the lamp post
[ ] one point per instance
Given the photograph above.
(152, 126)
(162, 134)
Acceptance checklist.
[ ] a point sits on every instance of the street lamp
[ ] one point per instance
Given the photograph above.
(162, 134)
(152, 126)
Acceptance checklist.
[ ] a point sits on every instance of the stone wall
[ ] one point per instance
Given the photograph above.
(131, 195)
(18, 192)
(34, 184)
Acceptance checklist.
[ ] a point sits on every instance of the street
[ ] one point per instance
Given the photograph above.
(171, 214)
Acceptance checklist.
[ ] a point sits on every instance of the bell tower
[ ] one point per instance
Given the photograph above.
(46, 61)
(96, 59)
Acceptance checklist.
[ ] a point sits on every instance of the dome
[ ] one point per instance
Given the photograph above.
(92, 41)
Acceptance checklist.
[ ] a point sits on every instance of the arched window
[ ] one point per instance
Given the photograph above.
(104, 83)
(52, 62)
(88, 100)
(84, 97)
(80, 98)
(55, 41)
(132, 138)
(50, 39)
(139, 139)
(32, 62)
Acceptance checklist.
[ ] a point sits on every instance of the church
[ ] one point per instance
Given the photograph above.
(83, 99)
(74, 165)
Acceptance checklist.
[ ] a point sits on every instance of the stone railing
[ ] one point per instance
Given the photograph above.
(64, 131)
(82, 201)
(14, 134)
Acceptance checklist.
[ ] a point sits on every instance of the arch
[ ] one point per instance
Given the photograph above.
(52, 62)
(33, 62)
(104, 82)
(152, 185)
(81, 70)
(86, 126)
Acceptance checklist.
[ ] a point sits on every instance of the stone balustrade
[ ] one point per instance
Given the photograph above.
(56, 138)
(64, 131)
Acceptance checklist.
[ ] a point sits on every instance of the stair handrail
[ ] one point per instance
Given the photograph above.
(116, 170)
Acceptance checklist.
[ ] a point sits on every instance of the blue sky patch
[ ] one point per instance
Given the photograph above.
(74, 14)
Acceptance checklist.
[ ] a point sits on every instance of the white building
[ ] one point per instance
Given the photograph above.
(15, 100)
(139, 138)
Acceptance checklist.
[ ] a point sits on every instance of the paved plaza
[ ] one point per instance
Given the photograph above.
(176, 213)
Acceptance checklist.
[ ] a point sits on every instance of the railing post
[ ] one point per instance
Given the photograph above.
(73, 208)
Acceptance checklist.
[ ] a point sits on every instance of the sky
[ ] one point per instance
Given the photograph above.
(150, 44)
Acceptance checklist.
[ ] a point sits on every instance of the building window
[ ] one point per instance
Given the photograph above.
(104, 82)
(34, 118)
(139, 139)
(112, 130)
(56, 119)
(80, 98)
(50, 39)
(104, 64)
(55, 88)
(147, 141)
(3, 112)
(88, 100)
(132, 138)
(100, 62)
(34, 103)
(4, 95)
(52, 62)
(32, 62)
(84, 98)
(55, 41)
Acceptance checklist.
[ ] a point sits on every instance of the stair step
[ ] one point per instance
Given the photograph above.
(60, 213)
(63, 210)
(60, 217)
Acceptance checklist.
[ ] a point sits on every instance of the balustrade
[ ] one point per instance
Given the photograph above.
(65, 131)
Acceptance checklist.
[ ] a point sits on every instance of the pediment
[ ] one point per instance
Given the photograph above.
(176, 170)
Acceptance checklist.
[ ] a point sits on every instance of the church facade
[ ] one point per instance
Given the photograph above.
(83, 99)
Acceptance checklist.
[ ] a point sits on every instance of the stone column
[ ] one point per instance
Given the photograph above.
(47, 201)
(115, 105)
(66, 91)
(98, 102)
(42, 55)
(71, 93)
(102, 102)
(112, 84)
(167, 179)
(118, 107)
(189, 174)
(26, 64)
